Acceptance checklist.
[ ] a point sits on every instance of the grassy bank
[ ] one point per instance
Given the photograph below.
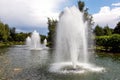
(4, 44)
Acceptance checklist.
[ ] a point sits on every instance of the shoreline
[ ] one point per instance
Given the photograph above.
(7, 44)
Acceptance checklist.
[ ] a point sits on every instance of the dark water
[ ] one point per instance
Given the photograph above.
(19, 63)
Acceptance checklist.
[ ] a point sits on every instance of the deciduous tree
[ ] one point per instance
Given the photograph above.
(117, 28)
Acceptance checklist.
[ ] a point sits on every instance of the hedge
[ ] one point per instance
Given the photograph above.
(109, 43)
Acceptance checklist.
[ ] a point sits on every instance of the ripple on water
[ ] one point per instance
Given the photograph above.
(66, 67)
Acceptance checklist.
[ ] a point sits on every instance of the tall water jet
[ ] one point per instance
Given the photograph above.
(72, 41)
(71, 36)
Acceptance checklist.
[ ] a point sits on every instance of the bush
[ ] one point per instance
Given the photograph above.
(115, 42)
(103, 41)
(111, 43)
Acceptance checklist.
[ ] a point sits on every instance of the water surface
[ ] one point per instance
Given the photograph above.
(19, 63)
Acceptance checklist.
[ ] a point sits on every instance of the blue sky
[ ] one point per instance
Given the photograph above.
(95, 5)
(28, 15)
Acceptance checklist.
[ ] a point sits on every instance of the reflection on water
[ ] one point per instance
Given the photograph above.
(19, 63)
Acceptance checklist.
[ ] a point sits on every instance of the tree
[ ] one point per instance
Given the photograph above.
(98, 31)
(81, 5)
(12, 34)
(87, 17)
(1, 31)
(20, 37)
(51, 34)
(4, 31)
(43, 37)
(117, 28)
(107, 30)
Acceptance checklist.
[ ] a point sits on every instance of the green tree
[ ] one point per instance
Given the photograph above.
(81, 5)
(107, 30)
(87, 17)
(12, 34)
(98, 31)
(1, 31)
(117, 28)
(51, 34)
(43, 37)
(20, 37)
(4, 32)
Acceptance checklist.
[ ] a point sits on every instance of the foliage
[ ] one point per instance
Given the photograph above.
(107, 30)
(98, 31)
(43, 37)
(12, 34)
(117, 28)
(8, 34)
(115, 42)
(20, 36)
(81, 5)
(87, 17)
(103, 41)
(51, 34)
(109, 43)
(4, 31)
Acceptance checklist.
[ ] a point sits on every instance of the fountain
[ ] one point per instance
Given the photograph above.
(28, 41)
(33, 42)
(71, 50)
(45, 44)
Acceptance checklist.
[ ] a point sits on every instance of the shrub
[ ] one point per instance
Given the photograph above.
(115, 42)
(111, 43)
(103, 41)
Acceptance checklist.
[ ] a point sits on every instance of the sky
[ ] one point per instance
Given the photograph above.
(30, 15)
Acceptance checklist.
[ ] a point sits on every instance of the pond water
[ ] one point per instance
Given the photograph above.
(19, 63)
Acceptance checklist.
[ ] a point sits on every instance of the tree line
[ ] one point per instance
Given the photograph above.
(106, 30)
(108, 39)
(8, 34)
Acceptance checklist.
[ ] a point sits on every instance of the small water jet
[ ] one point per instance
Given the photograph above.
(72, 43)
(28, 41)
(45, 43)
(34, 41)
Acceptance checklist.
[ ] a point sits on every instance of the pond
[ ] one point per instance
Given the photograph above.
(19, 63)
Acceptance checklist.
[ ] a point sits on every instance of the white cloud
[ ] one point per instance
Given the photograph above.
(29, 12)
(107, 16)
(116, 4)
